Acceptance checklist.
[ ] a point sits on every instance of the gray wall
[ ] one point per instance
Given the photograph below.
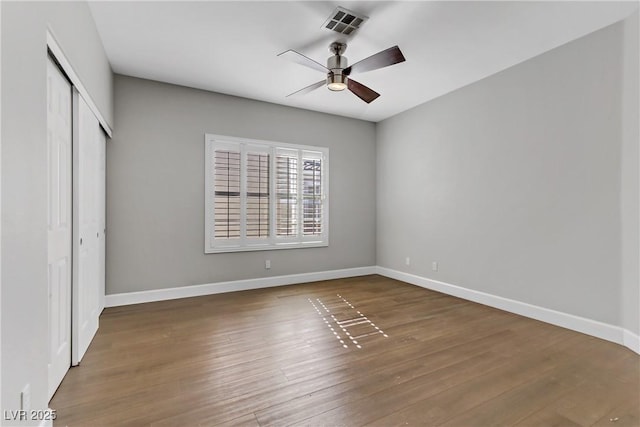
(155, 186)
(24, 183)
(513, 184)
(629, 179)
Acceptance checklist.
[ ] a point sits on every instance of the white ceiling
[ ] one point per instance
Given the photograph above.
(231, 46)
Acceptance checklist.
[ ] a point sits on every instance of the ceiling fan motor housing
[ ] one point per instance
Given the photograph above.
(336, 80)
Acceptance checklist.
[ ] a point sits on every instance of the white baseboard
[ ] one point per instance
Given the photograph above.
(631, 340)
(591, 327)
(128, 298)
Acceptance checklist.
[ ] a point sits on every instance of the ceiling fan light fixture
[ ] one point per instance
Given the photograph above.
(336, 87)
(336, 82)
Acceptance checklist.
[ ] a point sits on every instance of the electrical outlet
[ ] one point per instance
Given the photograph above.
(25, 398)
(434, 266)
(267, 264)
(407, 261)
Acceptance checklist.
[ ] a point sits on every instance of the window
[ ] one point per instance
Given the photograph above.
(262, 195)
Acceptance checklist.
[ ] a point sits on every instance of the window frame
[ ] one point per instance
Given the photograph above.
(273, 241)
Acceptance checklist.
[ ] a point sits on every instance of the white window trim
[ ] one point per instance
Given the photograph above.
(273, 242)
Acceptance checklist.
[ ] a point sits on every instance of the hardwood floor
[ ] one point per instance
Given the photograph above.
(280, 356)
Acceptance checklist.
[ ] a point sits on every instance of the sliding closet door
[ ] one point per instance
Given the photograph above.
(102, 217)
(88, 203)
(59, 134)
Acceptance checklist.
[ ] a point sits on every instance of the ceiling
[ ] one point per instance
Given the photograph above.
(231, 47)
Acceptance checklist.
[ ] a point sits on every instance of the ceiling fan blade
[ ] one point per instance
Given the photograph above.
(361, 91)
(382, 59)
(309, 88)
(299, 58)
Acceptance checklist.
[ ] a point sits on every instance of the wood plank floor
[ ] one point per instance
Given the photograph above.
(360, 351)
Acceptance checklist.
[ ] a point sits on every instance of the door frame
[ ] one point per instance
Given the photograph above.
(64, 63)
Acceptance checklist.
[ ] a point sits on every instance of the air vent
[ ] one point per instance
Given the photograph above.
(344, 21)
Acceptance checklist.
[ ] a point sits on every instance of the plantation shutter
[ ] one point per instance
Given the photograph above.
(257, 205)
(286, 192)
(262, 195)
(312, 196)
(226, 166)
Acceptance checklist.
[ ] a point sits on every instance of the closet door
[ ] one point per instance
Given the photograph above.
(88, 201)
(59, 229)
(102, 217)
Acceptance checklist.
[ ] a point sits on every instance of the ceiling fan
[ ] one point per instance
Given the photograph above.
(338, 73)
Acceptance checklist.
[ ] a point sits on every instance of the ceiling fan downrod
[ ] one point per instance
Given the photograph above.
(336, 79)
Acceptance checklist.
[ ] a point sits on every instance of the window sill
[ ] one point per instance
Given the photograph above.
(267, 247)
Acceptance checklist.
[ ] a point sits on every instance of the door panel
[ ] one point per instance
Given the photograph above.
(87, 227)
(102, 220)
(59, 158)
